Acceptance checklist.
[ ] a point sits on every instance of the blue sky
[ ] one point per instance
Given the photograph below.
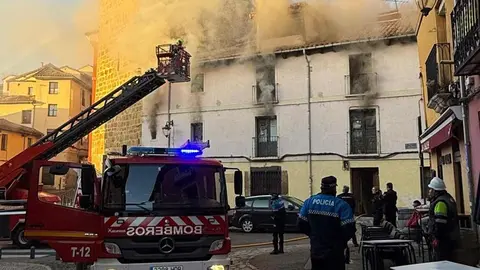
(49, 31)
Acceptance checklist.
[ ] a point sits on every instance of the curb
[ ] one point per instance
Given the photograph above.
(269, 243)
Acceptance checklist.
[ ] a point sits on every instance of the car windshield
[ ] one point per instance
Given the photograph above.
(294, 200)
(165, 186)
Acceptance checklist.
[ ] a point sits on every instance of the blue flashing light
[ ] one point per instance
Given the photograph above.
(153, 151)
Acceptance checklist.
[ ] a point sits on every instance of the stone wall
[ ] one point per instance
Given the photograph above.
(111, 73)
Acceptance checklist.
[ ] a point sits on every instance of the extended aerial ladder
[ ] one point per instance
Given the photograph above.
(132, 91)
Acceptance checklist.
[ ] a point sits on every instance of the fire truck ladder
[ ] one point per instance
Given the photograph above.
(86, 121)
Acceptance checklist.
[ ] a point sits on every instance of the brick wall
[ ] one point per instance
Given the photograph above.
(111, 73)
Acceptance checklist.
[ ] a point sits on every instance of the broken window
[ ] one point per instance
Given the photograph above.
(363, 131)
(196, 132)
(198, 83)
(266, 141)
(265, 87)
(361, 76)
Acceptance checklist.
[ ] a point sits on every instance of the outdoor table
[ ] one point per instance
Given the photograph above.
(386, 243)
(442, 265)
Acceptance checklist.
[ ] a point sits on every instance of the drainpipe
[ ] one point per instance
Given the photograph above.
(169, 115)
(309, 112)
(468, 153)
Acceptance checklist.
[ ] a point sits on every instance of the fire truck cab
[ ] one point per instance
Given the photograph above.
(154, 208)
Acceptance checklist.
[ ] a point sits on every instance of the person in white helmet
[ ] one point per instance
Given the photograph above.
(443, 225)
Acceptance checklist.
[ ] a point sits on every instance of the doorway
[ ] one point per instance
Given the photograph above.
(362, 182)
(457, 176)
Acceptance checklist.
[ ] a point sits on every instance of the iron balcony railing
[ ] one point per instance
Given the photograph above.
(466, 36)
(265, 146)
(264, 96)
(359, 84)
(365, 142)
(439, 73)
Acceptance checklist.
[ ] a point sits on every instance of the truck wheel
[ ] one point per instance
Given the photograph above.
(247, 225)
(19, 239)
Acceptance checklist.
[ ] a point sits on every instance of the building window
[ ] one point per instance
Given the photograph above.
(266, 140)
(53, 87)
(360, 79)
(27, 117)
(83, 97)
(198, 83)
(52, 110)
(265, 84)
(29, 142)
(363, 132)
(4, 142)
(30, 91)
(196, 132)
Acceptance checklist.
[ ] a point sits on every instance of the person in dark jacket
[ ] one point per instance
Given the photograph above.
(377, 206)
(328, 222)
(443, 227)
(348, 198)
(390, 202)
(279, 219)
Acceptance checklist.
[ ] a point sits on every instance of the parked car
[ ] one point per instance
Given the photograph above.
(257, 213)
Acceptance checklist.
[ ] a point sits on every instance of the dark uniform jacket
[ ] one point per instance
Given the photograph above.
(279, 214)
(390, 201)
(348, 198)
(443, 219)
(329, 223)
(377, 204)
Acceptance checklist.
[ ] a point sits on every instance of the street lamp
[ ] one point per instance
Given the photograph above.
(425, 6)
(167, 128)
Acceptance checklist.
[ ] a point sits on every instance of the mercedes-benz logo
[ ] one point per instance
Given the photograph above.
(166, 245)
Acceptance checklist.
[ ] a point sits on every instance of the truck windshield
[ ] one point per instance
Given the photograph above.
(151, 187)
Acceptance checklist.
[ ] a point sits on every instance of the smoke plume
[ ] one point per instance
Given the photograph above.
(240, 28)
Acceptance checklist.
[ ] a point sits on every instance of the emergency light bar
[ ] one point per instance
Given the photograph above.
(188, 149)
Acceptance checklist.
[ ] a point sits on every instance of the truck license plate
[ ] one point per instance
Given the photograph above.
(166, 268)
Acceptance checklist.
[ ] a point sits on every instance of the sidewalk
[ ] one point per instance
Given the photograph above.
(296, 258)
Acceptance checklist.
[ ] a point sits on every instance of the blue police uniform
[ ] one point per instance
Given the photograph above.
(279, 216)
(329, 223)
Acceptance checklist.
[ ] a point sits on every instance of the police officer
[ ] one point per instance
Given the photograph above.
(377, 206)
(390, 200)
(279, 216)
(442, 225)
(348, 198)
(329, 223)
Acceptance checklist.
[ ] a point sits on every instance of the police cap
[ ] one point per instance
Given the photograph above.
(329, 182)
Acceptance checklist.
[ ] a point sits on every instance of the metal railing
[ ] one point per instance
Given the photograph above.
(466, 38)
(367, 144)
(260, 98)
(439, 73)
(359, 84)
(265, 146)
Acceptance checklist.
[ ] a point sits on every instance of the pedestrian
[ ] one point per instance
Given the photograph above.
(279, 218)
(328, 221)
(390, 203)
(350, 200)
(443, 227)
(377, 206)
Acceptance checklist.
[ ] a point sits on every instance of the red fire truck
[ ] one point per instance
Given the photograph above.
(153, 208)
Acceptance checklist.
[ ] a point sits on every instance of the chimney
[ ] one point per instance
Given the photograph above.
(41, 63)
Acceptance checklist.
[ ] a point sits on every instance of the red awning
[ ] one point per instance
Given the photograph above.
(439, 135)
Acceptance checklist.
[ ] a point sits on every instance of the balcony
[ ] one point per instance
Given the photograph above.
(442, 92)
(366, 142)
(466, 37)
(360, 84)
(264, 96)
(264, 147)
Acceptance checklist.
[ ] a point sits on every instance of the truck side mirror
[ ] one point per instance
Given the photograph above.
(3, 194)
(85, 202)
(239, 201)
(238, 182)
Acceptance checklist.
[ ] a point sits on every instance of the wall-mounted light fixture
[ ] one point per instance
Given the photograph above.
(425, 6)
(167, 128)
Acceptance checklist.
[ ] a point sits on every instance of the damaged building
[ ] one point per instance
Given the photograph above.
(347, 107)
